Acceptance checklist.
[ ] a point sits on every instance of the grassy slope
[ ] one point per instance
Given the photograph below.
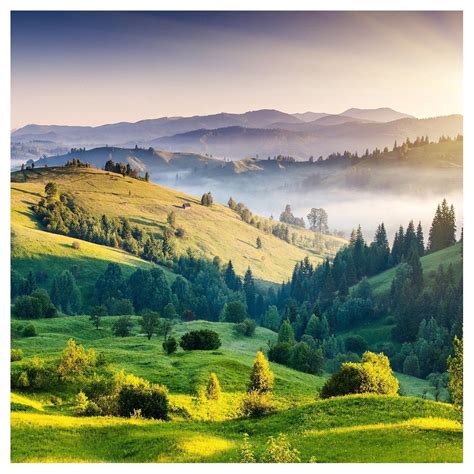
(209, 231)
(346, 429)
(381, 283)
(395, 429)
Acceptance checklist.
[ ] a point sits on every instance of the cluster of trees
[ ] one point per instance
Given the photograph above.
(121, 168)
(76, 163)
(60, 214)
(288, 218)
(207, 199)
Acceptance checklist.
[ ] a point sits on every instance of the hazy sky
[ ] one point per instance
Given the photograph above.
(89, 68)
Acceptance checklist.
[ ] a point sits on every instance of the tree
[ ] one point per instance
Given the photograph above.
(443, 228)
(149, 323)
(259, 243)
(250, 291)
(455, 370)
(65, 294)
(411, 365)
(213, 388)
(420, 240)
(261, 378)
(318, 220)
(234, 312)
(96, 314)
(246, 327)
(122, 327)
(169, 312)
(165, 327)
(207, 199)
(171, 219)
(52, 190)
(286, 333)
(147, 176)
(271, 318)
(356, 344)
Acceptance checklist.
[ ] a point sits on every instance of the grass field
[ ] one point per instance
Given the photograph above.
(215, 231)
(357, 429)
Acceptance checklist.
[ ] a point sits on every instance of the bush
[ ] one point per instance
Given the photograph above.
(372, 375)
(16, 355)
(356, 344)
(203, 339)
(234, 312)
(246, 328)
(33, 374)
(151, 400)
(122, 327)
(256, 404)
(35, 306)
(170, 345)
(280, 352)
(180, 232)
(75, 361)
(76, 245)
(29, 331)
(279, 450)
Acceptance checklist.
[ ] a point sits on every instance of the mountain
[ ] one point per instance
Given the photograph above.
(123, 132)
(314, 140)
(310, 116)
(383, 114)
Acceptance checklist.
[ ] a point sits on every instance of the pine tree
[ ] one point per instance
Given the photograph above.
(420, 240)
(261, 378)
(259, 243)
(286, 333)
(410, 241)
(250, 292)
(417, 270)
(443, 228)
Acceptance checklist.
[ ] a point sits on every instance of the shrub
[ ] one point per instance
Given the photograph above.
(372, 375)
(152, 400)
(213, 388)
(75, 360)
(170, 345)
(356, 344)
(180, 232)
(246, 450)
(34, 374)
(261, 378)
(37, 305)
(279, 450)
(280, 352)
(76, 245)
(204, 339)
(16, 355)
(122, 327)
(246, 327)
(29, 331)
(256, 404)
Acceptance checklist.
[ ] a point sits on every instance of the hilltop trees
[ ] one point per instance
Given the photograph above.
(443, 228)
(288, 218)
(207, 199)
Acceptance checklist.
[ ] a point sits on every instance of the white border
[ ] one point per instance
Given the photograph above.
(7, 5)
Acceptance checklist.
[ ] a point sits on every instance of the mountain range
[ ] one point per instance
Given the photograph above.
(257, 133)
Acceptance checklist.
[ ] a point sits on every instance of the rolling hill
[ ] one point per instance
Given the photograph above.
(216, 231)
(397, 429)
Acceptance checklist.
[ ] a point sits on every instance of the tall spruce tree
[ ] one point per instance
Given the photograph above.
(420, 240)
(443, 228)
(250, 291)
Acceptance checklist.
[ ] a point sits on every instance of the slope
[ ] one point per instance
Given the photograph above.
(209, 231)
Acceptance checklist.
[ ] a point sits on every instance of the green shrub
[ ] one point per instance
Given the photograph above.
(33, 373)
(204, 339)
(280, 352)
(34, 306)
(16, 355)
(279, 450)
(372, 375)
(170, 345)
(151, 400)
(29, 331)
(256, 404)
(75, 361)
(123, 327)
(246, 328)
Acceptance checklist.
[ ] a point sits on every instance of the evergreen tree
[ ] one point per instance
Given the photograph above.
(420, 240)
(65, 294)
(417, 269)
(110, 284)
(443, 228)
(259, 243)
(250, 292)
(398, 246)
(411, 241)
(96, 314)
(261, 378)
(286, 333)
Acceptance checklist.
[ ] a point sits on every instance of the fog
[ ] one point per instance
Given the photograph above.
(346, 209)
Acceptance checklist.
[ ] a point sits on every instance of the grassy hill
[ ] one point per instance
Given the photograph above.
(216, 231)
(380, 283)
(356, 428)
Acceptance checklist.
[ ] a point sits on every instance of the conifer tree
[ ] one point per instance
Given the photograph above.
(250, 292)
(286, 333)
(213, 388)
(261, 378)
(420, 240)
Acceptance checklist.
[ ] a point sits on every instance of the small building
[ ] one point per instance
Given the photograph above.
(186, 205)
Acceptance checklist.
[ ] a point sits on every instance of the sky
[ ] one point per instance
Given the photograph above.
(91, 68)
